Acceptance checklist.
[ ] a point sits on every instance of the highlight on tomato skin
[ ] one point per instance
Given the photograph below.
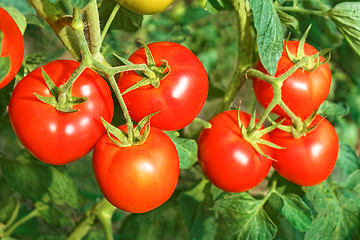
(138, 178)
(227, 159)
(12, 45)
(303, 92)
(51, 136)
(309, 160)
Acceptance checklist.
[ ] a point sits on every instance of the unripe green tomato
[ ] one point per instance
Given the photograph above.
(145, 7)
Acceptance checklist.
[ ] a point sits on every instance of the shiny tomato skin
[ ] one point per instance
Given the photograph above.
(139, 178)
(12, 45)
(303, 92)
(227, 159)
(51, 136)
(145, 7)
(181, 94)
(309, 160)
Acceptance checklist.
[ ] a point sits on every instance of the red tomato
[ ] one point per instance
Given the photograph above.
(139, 178)
(51, 136)
(12, 45)
(303, 92)
(310, 159)
(227, 159)
(181, 94)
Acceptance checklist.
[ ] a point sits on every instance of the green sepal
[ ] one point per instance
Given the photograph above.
(63, 102)
(121, 137)
(145, 122)
(153, 74)
(4, 63)
(313, 61)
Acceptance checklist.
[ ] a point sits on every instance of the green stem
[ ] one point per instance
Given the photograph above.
(89, 217)
(93, 28)
(21, 221)
(13, 215)
(302, 10)
(65, 87)
(244, 55)
(109, 21)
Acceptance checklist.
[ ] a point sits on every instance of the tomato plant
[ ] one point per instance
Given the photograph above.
(146, 7)
(227, 159)
(12, 45)
(309, 160)
(181, 94)
(200, 180)
(304, 91)
(51, 136)
(138, 178)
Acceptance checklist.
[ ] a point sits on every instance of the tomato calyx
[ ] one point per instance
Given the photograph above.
(153, 74)
(313, 62)
(4, 62)
(122, 138)
(299, 130)
(60, 99)
(252, 134)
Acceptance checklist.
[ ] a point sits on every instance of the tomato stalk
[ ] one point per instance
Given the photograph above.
(14, 226)
(109, 21)
(101, 210)
(244, 54)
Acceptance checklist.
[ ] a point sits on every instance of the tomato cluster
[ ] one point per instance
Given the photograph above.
(137, 177)
(232, 164)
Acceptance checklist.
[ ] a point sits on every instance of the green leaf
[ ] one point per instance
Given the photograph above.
(40, 182)
(124, 20)
(53, 215)
(215, 6)
(269, 33)
(346, 15)
(186, 148)
(296, 212)
(337, 209)
(164, 222)
(240, 216)
(196, 206)
(332, 110)
(348, 160)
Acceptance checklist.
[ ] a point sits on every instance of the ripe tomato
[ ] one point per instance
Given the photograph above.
(12, 46)
(144, 7)
(51, 136)
(181, 94)
(227, 159)
(303, 92)
(139, 178)
(310, 159)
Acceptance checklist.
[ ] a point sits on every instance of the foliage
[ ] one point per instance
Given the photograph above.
(40, 201)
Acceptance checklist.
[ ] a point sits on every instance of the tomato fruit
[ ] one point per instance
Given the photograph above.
(145, 7)
(139, 178)
(303, 92)
(227, 159)
(12, 45)
(181, 94)
(51, 136)
(309, 160)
